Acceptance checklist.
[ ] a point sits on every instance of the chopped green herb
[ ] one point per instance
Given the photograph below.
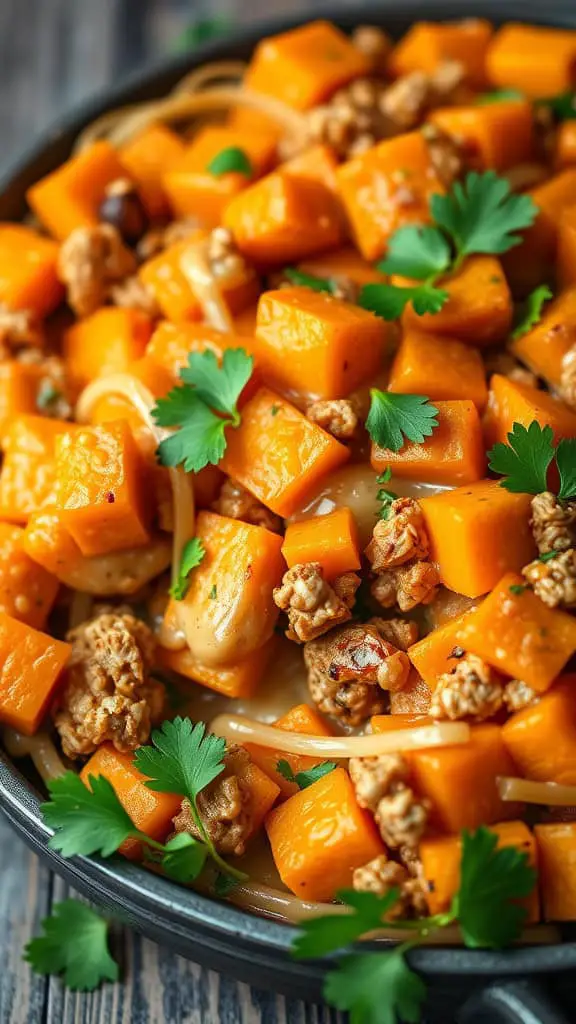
(394, 418)
(274, 409)
(306, 778)
(566, 462)
(517, 588)
(563, 106)
(415, 251)
(548, 556)
(193, 553)
(317, 284)
(499, 96)
(47, 395)
(389, 301)
(532, 311)
(384, 496)
(223, 885)
(202, 31)
(74, 944)
(230, 160)
(524, 461)
(213, 592)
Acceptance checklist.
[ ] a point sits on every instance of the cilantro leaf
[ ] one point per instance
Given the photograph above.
(524, 461)
(389, 301)
(566, 462)
(306, 778)
(490, 879)
(85, 820)
(184, 858)
(416, 251)
(481, 214)
(202, 31)
(532, 310)
(498, 96)
(74, 944)
(394, 418)
(518, 588)
(321, 935)
(219, 386)
(223, 885)
(383, 495)
(181, 759)
(547, 556)
(192, 555)
(233, 159)
(563, 106)
(317, 284)
(377, 988)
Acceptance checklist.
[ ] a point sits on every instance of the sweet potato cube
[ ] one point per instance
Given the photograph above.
(453, 455)
(515, 632)
(302, 719)
(69, 197)
(320, 836)
(313, 342)
(517, 50)
(494, 136)
(387, 187)
(441, 367)
(20, 392)
(193, 190)
(441, 856)
(30, 666)
(543, 348)
(147, 158)
(556, 862)
(432, 655)
(479, 308)
(28, 278)
(344, 263)
(389, 723)
(278, 454)
(531, 262)
(304, 66)
(283, 218)
(542, 739)
(477, 533)
(99, 488)
(27, 591)
(460, 781)
(237, 679)
(29, 471)
(318, 163)
(105, 342)
(171, 344)
(428, 44)
(511, 402)
(565, 148)
(331, 539)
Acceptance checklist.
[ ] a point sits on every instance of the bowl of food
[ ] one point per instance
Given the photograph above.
(288, 507)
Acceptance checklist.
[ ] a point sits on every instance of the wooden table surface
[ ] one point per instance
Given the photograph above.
(53, 53)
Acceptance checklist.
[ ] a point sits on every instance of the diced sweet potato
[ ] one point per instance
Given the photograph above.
(345, 264)
(28, 471)
(565, 149)
(566, 252)
(147, 158)
(477, 533)
(440, 367)
(537, 61)
(542, 739)
(389, 723)
(30, 666)
(19, 392)
(532, 262)
(432, 655)
(494, 136)
(331, 540)
(556, 859)
(239, 679)
(105, 342)
(28, 278)
(171, 344)
(318, 163)
(27, 591)
(302, 719)
(428, 44)
(543, 348)
(510, 401)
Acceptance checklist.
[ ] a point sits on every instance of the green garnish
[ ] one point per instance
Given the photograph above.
(518, 588)
(532, 312)
(74, 944)
(317, 284)
(192, 555)
(480, 215)
(563, 106)
(230, 160)
(379, 988)
(202, 31)
(548, 556)
(207, 390)
(525, 460)
(47, 395)
(384, 496)
(306, 778)
(213, 592)
(498, 96)
(566, 463)
(395, 418)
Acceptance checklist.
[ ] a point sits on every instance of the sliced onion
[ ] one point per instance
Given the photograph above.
(40, 748)
(552, 794)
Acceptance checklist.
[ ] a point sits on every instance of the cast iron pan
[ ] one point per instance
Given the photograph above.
(479, 987)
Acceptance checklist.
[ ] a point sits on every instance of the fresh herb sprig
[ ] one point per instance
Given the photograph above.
(192, 555)
(480, 215)
(532, 310)
(305, 778)
(385, 496)
(395, 418)
(203, 407)
(233, 159)
(74, 944)
(379, 988)
(525, 460)
(317, 284)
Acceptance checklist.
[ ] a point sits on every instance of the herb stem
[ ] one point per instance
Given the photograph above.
(225, 868)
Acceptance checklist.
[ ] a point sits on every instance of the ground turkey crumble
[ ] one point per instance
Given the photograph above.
(382, 786)
(90, 262)
(397, 553)
(337, 417)
(225, 807)
(381, 875)
(312, 604)
(471, 690)
(236, 502)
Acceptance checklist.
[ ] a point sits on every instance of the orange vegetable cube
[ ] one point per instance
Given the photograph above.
(344, 263)
(313, 342)
(318, 163)
(428, 44)
(99, 491)
(147, 158)
(493, 135)
(565, 151)
(283, 218)
(556, 861)
(511, 402)
(543, 348)
(245, 321)
(263, 794)
(27, 591)
(304, 66)
(566, 253)
(193, 190)
(28, 277)
(150, 811)
(19, 392)
(171, 344)
(515, 632)
(389, 723)
(460, 781)
(105, 342)
(30, 666)
(302, 719)
(237, 679)
(387, 187)
(278, 454)
(531, 262)
(454, 454)
(331, 540)
(320, 836)
(542, 739)
(432, 655)
(69, 197)
(28, 471)
(536, 60)
(442, 368)
(441, 856)
(477, 533)
(479, 308)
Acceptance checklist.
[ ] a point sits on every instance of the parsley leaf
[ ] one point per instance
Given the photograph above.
(74, 944)
(532, 310)
(317, 284)
(230, 160)
(518, 588)
(524, 461)
(389, 301)
(321, 935)
(385, 496)
(192, 555)
(184, 858)
(305, 778)
(219, 386)
(481, 214)
(566, 462)
(377, 988)
(416, 251)
(202, 31)
(394, 418)
(86, 821)
(498, 96)
(181, 759)
(490, 879)
(563, 106)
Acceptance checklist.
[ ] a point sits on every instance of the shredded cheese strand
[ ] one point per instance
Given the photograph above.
(239, 729)
(551, 794)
